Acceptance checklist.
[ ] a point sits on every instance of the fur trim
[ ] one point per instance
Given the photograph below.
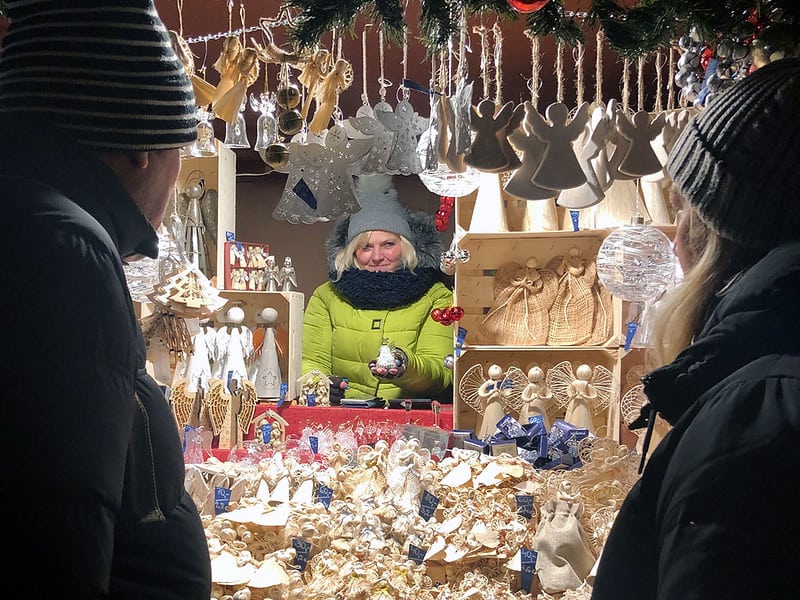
(428, 242)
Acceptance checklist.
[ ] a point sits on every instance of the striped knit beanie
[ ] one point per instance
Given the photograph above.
(104, 71)
(737, 161)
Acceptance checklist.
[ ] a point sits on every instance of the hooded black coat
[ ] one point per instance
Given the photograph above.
(92, 487)
(715, 514)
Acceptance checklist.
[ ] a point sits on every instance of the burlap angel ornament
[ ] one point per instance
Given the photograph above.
(520, 312)
(572, 312)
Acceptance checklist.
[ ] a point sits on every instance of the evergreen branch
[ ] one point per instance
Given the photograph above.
(391, 16)
(551, 19)
(318, 17)
(437, 22)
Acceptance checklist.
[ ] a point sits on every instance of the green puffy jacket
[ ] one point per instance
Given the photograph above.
(340, 339)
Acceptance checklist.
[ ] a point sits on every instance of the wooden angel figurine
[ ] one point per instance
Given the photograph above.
(583, 393)
(491, 397)
(640, 159)
(537, 399)
(231, 411)
(559, 168)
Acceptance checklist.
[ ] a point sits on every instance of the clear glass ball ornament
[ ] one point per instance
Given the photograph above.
(442, 180)
(636, 263)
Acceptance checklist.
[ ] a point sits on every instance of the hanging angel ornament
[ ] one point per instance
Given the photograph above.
(327, 93)
(205, 143)
(525, 141)
(266, 125)
(487, 152)
(406, 126)
(583, 394)
(367, 125)
(587, 149)
(559, 168)
(345, 155)
(491, 395)
(639, 159)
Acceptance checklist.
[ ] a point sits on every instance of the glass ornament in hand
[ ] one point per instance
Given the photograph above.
(635, 262)
(387, 365)
(437, 177)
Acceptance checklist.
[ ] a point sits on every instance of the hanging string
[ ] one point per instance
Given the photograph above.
(382, 79)
(626, 84)
(364, 97)
(230, 17)
(461, 72)
(598, 68)
(481, 31)
(442, 70)
(659, 81)
(640, 83)
(405, 57)
(671, 86)
(180, 17)
(498, 63)
(560, 72)
(580, 52)
(241, 19)
(339, 54)
(536, 69)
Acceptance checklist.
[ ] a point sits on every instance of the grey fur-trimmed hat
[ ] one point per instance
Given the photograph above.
(104, 71)
(736, 162)
(380, 208)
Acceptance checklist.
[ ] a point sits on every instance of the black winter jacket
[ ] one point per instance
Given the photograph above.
(715, 514)
(92, 482)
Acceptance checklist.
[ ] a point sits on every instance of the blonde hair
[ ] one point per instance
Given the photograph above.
(345, 258)
(684, 310)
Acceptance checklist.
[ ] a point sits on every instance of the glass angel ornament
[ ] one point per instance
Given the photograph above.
(205, 144)
(584, 393)
(491, 395)
(236, 131)
(267, 125)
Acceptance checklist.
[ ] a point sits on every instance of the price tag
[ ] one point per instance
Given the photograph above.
(222, 497)
(428, 505)
(324, 495)
(266, 433)
(416, 553)
(525, 506)
(528, 559)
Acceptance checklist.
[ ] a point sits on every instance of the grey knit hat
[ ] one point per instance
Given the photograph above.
(737, 161)
(380, 209)
(104, 71)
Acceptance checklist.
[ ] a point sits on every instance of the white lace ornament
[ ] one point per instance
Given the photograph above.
(407, 125)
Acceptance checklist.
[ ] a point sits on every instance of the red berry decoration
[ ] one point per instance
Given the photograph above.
(528, 6)
(456, 313)
(436, 315)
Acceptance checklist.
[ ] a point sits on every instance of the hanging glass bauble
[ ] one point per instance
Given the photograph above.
(527, 6)
(442, 180)
(288, 96)
(635, 262)
(275, 155)
(290, 122)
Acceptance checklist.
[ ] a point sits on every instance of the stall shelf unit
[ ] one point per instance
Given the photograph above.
(474, 292)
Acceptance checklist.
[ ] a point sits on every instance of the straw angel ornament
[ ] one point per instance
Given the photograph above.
(492, 396)
(630, 407)
(536, 398)
(584, 393)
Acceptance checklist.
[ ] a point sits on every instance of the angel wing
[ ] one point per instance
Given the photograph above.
(218, 403)
(247, 409)
(512, 385)
(632, 403)
(634, 375)
(209, 211)
(468, 386)
(181, 402)
(559, 379)
(603, 381)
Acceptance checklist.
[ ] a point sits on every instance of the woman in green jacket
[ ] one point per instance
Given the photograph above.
(383, 264)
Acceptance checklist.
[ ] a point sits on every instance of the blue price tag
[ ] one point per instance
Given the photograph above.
(428, 505)
(311, 399)
(313, 441)
(229, 236)
(416, 553)
(222, 497)
(324, 495)
(302, 548)
(283, 392)
(574, 215)
(630, 334)
(525, 506)
(528, 559)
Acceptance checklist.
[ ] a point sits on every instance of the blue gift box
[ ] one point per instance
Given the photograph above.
(535, 426)
(510, 427)
(566, 437)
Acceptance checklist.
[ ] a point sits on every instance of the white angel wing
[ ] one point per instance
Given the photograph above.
(558, 379)
(468, 386)
(222, 338)
(512, 385)
(634, 375)
(246, 339)
(603, 381)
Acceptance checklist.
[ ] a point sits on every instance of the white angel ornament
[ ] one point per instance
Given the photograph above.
(630, 407)
(559, 168)
(584, 393)
(491, 397)
(366, 125)
(407, 126)
(536, 398)
(234, 346)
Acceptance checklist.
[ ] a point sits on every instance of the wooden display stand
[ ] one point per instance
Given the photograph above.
(218, 173)
(474, 292)
(290, 317)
